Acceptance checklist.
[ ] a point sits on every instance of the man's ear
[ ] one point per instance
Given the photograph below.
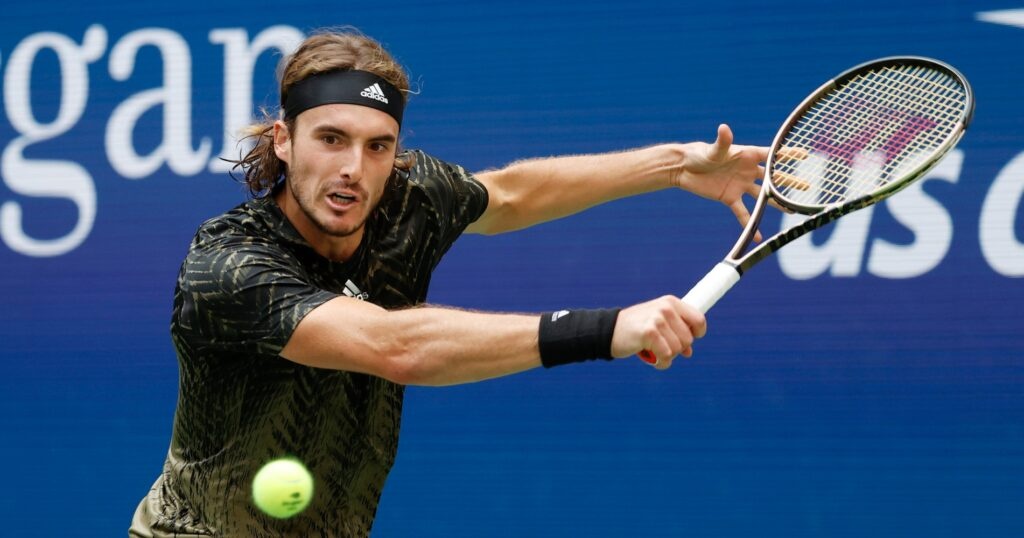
(282, 142)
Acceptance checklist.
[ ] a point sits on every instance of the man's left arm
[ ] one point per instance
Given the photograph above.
(539, 190)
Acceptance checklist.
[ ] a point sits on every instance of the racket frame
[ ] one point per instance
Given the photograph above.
(821, 215)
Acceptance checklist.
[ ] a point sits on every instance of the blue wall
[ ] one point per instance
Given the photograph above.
(901, 413)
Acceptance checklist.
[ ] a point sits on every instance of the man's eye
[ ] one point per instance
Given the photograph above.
(329, 139)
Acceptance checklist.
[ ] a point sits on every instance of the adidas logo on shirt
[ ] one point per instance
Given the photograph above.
(374, 92)
(351, 290)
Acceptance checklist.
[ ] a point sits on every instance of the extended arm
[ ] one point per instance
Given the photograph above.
(442, 346)
(539, 190)
(416, 346)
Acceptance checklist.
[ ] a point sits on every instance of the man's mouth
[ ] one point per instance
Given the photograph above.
(341, 199)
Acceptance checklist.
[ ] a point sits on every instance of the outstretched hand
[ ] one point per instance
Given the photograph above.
(723, 171)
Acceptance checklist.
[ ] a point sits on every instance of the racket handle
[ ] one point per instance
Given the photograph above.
(712, 287)
(705, 294)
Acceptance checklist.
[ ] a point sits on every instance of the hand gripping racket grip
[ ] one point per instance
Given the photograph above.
(705, 294)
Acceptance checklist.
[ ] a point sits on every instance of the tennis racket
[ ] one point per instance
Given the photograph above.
(858, 139)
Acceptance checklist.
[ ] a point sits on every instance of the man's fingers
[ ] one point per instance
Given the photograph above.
(723, 141)
(743, 215)
(694, 319)
(775, 204)
(682, 332)
(783, 180)
(661, 351)
(791, 154)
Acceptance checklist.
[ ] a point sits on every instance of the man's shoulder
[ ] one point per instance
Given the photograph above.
(427, 168)
(443, 180)
(243, 218)
(447, 192)
(248, 222)
(240, 236)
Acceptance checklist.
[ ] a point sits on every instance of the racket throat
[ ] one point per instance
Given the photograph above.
(750, 230)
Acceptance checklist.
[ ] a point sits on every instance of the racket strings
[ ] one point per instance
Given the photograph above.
(862, 134)
(857, 115)
(870, 131)
(899, 98)
(881, 129)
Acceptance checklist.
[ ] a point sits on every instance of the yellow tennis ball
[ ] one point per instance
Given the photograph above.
(282, 488)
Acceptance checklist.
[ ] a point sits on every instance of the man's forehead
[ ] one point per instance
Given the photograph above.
(353, 120)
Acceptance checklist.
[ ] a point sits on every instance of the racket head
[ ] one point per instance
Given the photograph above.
(868, 133)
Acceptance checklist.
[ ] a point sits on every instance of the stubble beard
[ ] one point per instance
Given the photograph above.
(307, 202)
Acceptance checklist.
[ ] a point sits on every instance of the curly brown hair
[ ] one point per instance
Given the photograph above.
(324, 50)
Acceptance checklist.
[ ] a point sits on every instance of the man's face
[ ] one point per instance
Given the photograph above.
(339, 159)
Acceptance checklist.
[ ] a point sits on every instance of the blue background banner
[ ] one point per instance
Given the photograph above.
(867, 381)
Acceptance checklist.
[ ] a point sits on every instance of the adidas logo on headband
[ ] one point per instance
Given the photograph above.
(341, 86)
(373, 91)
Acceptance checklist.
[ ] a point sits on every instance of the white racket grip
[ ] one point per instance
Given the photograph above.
(712, 287)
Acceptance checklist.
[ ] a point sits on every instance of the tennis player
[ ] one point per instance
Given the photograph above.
(299, 317)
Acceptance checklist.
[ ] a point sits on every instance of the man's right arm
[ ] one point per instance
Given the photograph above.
(443, 346)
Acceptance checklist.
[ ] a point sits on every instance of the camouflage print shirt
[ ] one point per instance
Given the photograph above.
(248, 279)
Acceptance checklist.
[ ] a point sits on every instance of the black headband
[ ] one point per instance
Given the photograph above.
(344, 87)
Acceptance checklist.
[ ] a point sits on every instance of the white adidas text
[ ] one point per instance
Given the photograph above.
(374, 92)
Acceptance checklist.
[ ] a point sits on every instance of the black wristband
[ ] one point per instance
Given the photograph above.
(570, 336)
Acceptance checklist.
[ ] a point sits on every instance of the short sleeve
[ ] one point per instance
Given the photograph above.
(244, 292)
(454, 193)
